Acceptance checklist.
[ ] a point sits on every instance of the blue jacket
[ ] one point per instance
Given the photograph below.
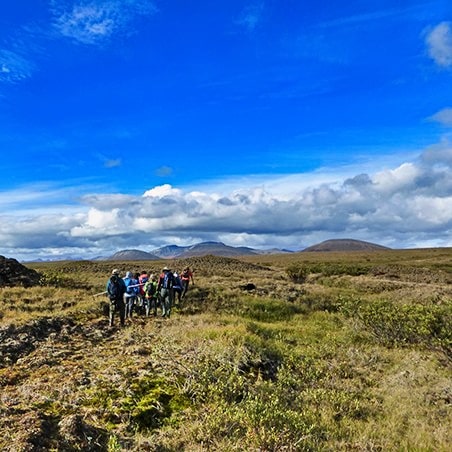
(133, 291)
(115, 292)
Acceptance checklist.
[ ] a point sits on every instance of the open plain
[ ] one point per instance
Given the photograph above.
(294, 352)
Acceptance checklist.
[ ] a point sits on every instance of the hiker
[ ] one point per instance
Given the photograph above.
(131, 293)
(186, 276)
(115, 291)
(140, 298)
(143, 279)
(151, 300)
(177, 289)
(164, 289)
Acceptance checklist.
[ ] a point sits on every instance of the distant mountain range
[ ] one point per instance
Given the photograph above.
(220, 249)
(202, 249)
(199, 249)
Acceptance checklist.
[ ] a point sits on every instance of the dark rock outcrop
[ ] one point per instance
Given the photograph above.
(13, 273)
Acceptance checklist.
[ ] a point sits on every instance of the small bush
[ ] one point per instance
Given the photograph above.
(297, 273)
(395, 324)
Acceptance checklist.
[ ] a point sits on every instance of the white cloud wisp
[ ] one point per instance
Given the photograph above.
(439, 43)
(95, 22)
(14, 67)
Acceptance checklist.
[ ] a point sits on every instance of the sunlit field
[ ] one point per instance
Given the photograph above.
(294, 352)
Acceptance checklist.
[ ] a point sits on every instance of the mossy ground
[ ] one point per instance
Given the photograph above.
(352, 354)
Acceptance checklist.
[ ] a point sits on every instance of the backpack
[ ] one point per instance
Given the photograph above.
(143, 279)
(177, 283)
(130, 282)
(114, 288)
(150, 288)
(168, 280)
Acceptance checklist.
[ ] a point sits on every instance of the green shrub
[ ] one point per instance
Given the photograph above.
(297, 272)
(271, 425)
(398, 324)
(319, 302)
(151, 402)
(269, 310)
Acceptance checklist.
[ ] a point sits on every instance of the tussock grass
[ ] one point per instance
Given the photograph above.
(352, 354)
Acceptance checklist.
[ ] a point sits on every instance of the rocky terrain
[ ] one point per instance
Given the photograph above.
(12, 273)
(44, 369)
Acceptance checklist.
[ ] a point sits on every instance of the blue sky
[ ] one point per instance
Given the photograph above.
(141, 123)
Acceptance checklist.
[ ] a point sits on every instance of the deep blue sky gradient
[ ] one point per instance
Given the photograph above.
(121, 97)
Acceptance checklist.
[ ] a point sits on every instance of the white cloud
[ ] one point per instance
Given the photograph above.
(251, 16)
(37, 199)
(162, 191)
(112, 163)
(405, 206)
(87, 22)
(164, 171)
(439, 43)
(396, 180)
(438, 154)
(97, 21)
(437, 211)
(443, 116)
(14, 67)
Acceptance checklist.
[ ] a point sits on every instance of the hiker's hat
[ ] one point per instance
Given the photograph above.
(115, 272)
(129, 275)
(165, 269)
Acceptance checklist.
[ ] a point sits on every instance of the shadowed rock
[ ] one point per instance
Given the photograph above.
(12, 273)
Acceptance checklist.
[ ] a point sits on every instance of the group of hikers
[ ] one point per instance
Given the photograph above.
(145, 293)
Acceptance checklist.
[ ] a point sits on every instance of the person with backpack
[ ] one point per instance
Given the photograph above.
(143, 278)
(185, 277)
(165, 290)
(177, 289)
(131, 293)
(115, 291)
(151, 299)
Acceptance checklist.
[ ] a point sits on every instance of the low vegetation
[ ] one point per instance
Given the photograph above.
(299, 352)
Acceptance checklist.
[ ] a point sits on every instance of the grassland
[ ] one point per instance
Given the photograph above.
(329, 352)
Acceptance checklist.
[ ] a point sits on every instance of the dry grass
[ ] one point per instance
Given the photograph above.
(286, 366)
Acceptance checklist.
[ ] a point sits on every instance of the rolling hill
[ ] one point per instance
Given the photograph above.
(345, 245)
(133, 255)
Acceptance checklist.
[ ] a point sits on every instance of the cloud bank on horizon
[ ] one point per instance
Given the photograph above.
(287, 130)
(407, 206)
